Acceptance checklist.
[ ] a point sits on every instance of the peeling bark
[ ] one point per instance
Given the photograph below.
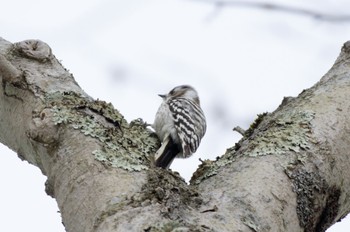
(288, 173)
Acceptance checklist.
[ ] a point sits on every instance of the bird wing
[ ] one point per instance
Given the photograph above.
(188, 120)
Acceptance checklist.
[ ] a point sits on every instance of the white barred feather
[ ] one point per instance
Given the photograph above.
(188, 120)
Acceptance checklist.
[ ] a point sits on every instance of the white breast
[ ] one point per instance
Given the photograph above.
(164, 123)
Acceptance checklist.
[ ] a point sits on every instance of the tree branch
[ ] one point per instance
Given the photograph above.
(289, 173)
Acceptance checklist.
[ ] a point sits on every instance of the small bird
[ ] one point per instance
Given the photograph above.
(180, 124)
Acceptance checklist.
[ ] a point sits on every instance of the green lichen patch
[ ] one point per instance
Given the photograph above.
(131, 150)
(255, 124)
(289, 132)
(143, 136)
(210, 168)
(65, 98)
(124, 145)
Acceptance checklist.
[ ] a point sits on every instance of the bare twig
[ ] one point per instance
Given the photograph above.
(239, 130)
(276, 7)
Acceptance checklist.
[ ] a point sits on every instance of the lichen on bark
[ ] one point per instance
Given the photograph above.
(123, 145)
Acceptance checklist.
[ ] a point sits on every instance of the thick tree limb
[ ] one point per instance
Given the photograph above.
(289, 173)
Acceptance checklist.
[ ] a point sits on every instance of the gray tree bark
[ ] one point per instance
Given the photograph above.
(290, 171)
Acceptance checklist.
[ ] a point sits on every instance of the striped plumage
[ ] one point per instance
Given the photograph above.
(180, 124)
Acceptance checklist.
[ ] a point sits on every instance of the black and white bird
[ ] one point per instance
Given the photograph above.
(180, 124)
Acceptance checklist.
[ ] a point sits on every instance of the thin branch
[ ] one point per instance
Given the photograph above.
(239, 130)
(276, 7)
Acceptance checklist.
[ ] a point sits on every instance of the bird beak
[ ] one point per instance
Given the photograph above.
(162, 95)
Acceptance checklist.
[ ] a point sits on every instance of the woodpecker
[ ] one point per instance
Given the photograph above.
(180, 124)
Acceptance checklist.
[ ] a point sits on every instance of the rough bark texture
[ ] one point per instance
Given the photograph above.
(290, 172)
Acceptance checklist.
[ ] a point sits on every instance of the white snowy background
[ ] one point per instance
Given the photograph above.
(242, 61)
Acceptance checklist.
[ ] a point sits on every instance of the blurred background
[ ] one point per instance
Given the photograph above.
(243, 57)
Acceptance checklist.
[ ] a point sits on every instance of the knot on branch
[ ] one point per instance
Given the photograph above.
(346, 47)
(42, 129)
(34, 49)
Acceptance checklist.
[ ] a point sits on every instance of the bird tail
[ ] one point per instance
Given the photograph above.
(166, 153)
